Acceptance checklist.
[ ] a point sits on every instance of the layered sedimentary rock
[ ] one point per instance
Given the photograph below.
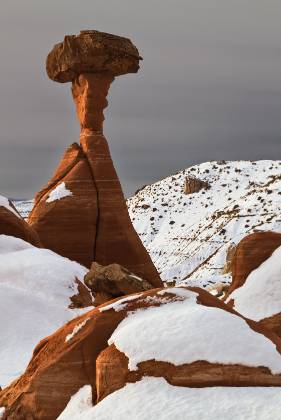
(88, 351)
(113, 281)
(67, 224)
(12, 224)
(253, 250)
(97, 228)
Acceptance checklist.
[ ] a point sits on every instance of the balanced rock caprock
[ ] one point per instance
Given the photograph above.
(82, 213)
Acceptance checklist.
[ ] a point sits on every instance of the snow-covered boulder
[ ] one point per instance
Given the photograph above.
(36, 291)
(184, 335)
(249, 254)
(259, 298)
(191, 339)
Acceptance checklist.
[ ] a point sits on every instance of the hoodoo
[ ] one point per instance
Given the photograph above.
(82, 213)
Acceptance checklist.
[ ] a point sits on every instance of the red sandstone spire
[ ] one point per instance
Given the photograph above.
(91, 224)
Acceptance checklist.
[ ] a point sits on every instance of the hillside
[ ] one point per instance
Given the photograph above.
(188, 235)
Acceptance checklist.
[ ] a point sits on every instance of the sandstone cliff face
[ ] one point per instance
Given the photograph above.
(88, 350)
(250, 253)
(91, 221)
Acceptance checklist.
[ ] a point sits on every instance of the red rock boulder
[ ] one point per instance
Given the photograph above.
(249, 254)
(259, 298)
(112, 281)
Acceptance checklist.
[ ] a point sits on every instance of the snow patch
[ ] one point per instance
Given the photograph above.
(120, 304)
(59, 192)
(155, 399)
(76, 329)
(79, 403)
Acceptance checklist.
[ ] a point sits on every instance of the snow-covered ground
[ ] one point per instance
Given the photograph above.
(35, 287)
(155, 399)
(188, 235)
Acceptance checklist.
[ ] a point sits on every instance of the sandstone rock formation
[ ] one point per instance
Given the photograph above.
(79, 353)
(193, 185)
(249, 254)
(12, 224)
(259, 298)
(91, 222)
(113, 281)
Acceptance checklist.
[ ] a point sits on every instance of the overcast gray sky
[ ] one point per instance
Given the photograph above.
(209, 86)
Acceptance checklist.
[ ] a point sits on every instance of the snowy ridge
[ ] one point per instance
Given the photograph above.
(188, 235)
(166, 402)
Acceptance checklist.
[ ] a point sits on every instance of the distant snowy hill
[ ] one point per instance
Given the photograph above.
(188, 235)
(24, 207)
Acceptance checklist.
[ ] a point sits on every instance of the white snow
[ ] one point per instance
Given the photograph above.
(4, 202)
(76, 329)
(59, 192)
(177, 291)
(155, 399)
(188, 236)
(79, 403)
(260, 295)
(183, 332)
(35, 287)
(120, 304)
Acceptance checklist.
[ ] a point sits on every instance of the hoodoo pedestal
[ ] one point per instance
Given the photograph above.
(102, 231)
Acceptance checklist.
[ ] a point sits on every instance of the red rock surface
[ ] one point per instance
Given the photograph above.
(64, 362)
(194, 185)
(68, 226)
(12, 225)
(92, 51)
(93, 223)
(249, 254)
